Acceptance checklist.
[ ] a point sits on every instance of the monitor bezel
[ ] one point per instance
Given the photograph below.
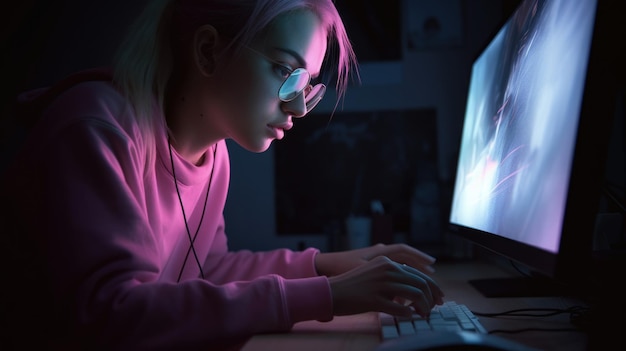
(604, 76)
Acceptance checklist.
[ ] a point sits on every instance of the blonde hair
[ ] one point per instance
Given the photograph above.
(145, 60)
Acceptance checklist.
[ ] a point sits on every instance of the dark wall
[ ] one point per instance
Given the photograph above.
(43, 41)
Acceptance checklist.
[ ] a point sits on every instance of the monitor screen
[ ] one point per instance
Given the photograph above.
(526, 187)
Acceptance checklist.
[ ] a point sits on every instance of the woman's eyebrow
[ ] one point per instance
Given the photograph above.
(294, 54)
(298, 58)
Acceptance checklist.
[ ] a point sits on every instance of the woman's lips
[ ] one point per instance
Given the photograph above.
(277, 131)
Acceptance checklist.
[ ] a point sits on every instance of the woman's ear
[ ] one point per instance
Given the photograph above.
(205, 47)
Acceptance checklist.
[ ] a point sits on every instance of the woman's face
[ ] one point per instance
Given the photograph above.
(246, 107)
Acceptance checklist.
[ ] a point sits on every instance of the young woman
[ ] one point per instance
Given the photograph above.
(116, 237)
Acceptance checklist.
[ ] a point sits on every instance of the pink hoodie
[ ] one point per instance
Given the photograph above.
(107, 240)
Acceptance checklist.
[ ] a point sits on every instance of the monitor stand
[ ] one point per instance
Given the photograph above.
(517, 287)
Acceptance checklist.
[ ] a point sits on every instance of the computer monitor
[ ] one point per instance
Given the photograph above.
(530, 171)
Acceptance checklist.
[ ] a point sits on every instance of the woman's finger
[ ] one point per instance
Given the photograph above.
(432, 285)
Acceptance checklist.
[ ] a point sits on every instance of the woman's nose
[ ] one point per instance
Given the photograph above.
(296, 107)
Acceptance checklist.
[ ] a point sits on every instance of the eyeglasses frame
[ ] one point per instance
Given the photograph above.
(318, 95)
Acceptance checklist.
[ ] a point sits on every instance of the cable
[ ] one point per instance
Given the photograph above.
(191, 239)
(547, 312)
(518, 269)
(577, 318)
(523, 330)
(610, 193)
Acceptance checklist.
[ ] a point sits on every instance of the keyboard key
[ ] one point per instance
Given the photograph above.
(389, 332)
(387, 319)
(421, 325)
(406, 328)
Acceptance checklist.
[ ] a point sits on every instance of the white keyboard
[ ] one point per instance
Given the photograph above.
(449, 316)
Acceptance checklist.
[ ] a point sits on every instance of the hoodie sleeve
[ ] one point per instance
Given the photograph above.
(222, 266)
(99, 260)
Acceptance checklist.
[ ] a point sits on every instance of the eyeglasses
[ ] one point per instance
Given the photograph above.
(297, 82)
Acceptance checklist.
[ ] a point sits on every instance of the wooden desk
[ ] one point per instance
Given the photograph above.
(361, 332)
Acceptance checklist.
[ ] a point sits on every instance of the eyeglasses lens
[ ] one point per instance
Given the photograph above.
(314, 96)
(297, 81)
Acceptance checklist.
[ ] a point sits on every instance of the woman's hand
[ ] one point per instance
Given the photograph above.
(381, 278)
(381, 284)
(334, 263)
